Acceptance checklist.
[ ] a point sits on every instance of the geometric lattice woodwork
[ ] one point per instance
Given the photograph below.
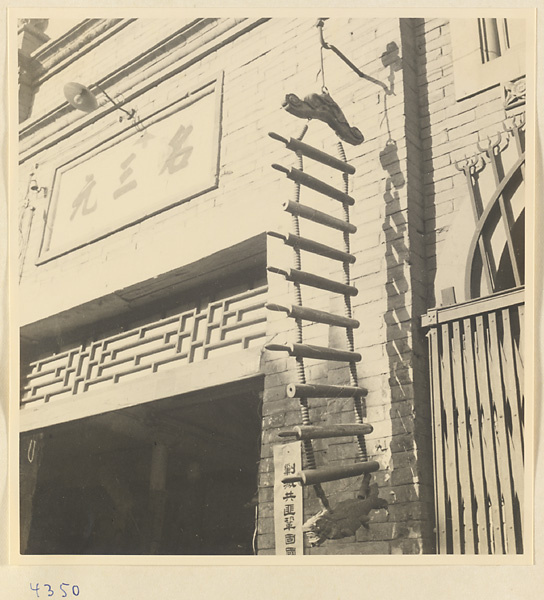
(222, 326)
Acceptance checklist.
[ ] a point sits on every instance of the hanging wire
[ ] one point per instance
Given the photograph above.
(322, 46)
(327, 46)
(323, 85)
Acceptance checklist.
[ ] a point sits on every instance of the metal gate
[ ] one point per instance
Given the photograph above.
(476, 368)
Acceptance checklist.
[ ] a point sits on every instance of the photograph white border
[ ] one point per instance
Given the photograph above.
(434, 579)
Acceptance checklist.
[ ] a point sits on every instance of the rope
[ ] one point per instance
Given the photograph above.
(323, 85)
(301, 374)
(327, 46)
(357, 400)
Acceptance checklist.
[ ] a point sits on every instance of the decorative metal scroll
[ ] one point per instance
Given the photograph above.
(515, 93)
(233, 323)
(481, 263)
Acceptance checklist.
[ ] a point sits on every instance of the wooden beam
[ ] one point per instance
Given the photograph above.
(314, 153)
(317, 281)
(312, 314)
(315, 184)
(80, 321)
(307, 390)
(317, 216)
(475, 307)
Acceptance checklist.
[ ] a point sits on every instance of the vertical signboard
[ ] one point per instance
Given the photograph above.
(288, 508)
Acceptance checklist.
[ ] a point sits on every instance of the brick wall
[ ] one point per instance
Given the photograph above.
(278, 57)
(389, 272)
(175, 237)
(411, 210)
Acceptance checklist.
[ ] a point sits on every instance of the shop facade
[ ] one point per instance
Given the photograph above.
(159, 268)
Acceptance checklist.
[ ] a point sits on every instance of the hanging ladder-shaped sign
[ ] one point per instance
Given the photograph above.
(303, 390)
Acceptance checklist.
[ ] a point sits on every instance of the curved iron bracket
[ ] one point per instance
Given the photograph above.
(320, 24)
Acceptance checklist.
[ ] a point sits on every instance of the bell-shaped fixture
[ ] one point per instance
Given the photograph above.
(80, 97)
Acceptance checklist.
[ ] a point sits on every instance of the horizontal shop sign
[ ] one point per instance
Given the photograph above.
(168, 158)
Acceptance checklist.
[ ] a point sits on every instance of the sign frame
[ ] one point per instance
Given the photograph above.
(211, 87)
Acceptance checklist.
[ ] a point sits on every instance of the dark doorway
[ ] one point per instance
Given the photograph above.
(177, 476)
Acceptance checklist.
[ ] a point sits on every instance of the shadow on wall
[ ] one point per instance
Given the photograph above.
(395, 227)
(427, 163)
(404, 340)
(398, 327)
(397, 317)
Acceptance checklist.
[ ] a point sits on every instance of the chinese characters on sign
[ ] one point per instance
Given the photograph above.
(138, 174)
(288, 507)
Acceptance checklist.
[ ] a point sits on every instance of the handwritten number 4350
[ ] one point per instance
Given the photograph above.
(65, 588)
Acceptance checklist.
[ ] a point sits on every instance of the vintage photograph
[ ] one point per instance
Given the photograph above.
(270, 285)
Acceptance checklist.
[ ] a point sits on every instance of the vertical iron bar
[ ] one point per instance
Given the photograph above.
(504, 214)
(469, 169)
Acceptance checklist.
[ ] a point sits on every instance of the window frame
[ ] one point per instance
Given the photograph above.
(471, 75)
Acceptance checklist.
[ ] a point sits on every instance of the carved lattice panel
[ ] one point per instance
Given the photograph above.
(218, 327)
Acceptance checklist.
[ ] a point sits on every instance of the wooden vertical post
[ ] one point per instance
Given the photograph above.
(466, 484)
(438, 441)
(488, 438)
(476, 444)
(450, 441)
